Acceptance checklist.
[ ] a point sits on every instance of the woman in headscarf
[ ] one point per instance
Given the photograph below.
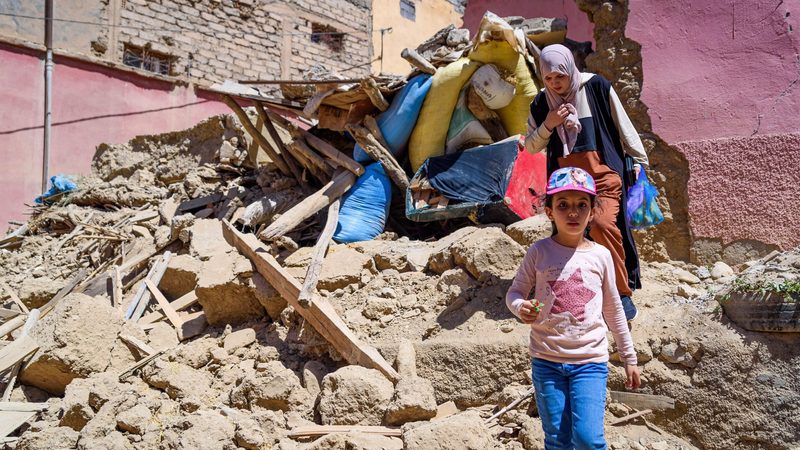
(580, 121)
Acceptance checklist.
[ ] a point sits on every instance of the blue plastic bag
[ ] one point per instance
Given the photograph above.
(397, 122)
(58, 184)
(365, 207)
(642, 209)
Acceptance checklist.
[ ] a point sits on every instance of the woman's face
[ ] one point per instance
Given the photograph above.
(557, 82)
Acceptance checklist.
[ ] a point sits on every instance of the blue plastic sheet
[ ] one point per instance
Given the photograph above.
(397, 122)
(58, 184)
(642, 210)
(365, 207)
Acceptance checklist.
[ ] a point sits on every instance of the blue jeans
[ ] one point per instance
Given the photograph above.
(572, 400)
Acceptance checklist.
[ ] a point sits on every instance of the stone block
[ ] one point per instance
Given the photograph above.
(354, 395)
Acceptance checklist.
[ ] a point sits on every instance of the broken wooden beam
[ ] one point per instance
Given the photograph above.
(631, 416)
(320, 314)
(418, 61)
(283, 152)
(180, 304)
(527, 394)
(143, 349)
(322, 430)
(374, 93)
(171, 314)
(643, 401)
(341, 182)
(63, 292)
(16, 351)
(142, 298)
(301, 146)
(372, 126)
(14, 297)
(256, 135)
(318, 256)
(33, 317)
(379, 153)
(322, 146)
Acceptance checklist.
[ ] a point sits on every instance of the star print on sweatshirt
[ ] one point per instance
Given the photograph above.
(580, 303)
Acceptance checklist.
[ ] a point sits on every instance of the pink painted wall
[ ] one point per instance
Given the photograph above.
(578, 26)
(722, 83)
(91, 104)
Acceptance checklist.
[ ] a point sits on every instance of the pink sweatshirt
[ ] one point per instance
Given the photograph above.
(579, 296)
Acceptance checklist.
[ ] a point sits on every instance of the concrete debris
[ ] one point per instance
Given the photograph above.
(465, 430)
(354, 396)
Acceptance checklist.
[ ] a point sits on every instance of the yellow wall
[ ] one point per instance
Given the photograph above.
(431, 16)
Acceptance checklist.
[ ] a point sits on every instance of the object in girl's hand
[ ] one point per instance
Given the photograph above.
(537, 306)
(642, 210)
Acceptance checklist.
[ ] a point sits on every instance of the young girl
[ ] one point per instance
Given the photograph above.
(576, 295)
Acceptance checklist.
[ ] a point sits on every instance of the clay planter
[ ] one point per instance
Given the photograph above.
(759, 311)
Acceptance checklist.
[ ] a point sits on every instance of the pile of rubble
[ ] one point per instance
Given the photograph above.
(188, 295)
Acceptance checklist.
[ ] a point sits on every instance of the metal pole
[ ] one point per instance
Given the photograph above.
(48, 88)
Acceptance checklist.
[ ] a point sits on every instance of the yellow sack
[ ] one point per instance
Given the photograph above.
(430, 133)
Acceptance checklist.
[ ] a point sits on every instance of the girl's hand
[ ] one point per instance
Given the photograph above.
(530, 311)
(632, 380)
(556, 117)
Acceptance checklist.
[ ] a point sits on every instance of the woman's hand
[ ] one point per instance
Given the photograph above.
(632, 380)
(557, 117)
(530, 311)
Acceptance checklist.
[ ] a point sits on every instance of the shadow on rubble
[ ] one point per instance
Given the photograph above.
(488, 299)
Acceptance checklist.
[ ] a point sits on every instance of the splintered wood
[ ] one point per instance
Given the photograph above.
(423, 195)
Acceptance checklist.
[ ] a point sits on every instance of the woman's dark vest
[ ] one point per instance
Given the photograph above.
(605, 136)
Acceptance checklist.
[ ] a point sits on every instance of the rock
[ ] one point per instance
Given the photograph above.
(313, 373)
(70, 349)
(134, 420)
(180, 227)
(197, 353)
(487, 253)
(180, 277)
(75, 409)
(531, 435)
(269, 298)
(189, 386)
(48, 439)
(342, 266)
(685, 276)
(276, 388)
(687, 291)
(721, 270)
(406, 361)
(660, 445)
(205, 430)
(249, 434)
(225, 298)
(162, 336)
(676, 354)
(354, 395)
(527, 231)
(378, 307)
(454, 284)
(239, 339)
(441, 257)
(355, 441)
(703, 273)
(413, 400)
(35, 292)
(511, 393)
(207, 239)
(461, 431)
(457, 37)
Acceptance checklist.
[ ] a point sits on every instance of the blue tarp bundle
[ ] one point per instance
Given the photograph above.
(397, 122)
(365, 207)
(477, 175)
(58, 184)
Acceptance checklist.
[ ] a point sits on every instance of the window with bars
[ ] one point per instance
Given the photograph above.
(149, 60)
(326, 34)
(408, 10)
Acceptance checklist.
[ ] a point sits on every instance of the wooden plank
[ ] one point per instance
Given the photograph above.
(138, 365)
(321, 430)
(22, 406)
(372, 126)
(256, 135)
(116, 282)
(11, 420)
(643, 401)
(378, 152)
(16, 352)
(66, 290)
(11, 325)
(155, 277)
(320, 313)
(180, 304)
(631, 416)
(33, 317)
(418, 61)
(302, 147)
(445, 410)
(273, 133)
(198, 203)
(318, 256)
(527, 394)
(375, 96)
(144, 349)
(341, 182)
(14, 297)
(171, 314)
(8, 313)
(323, 147)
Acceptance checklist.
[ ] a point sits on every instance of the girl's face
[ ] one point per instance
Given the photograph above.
(557, 82)
(571, 211)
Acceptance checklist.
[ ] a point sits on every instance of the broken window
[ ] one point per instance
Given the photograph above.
(326, 34)
(408, 10)
(142, 58)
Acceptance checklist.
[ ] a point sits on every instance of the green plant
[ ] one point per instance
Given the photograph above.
(789, 289)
